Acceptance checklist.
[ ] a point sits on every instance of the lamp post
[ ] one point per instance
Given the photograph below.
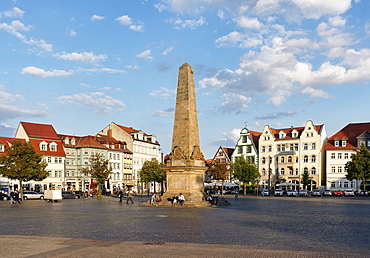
(269, 182)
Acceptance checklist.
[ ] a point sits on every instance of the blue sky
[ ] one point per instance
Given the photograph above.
(80, 65)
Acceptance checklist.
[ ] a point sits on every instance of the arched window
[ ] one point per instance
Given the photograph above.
(305, 146)
(282, 160)
(313, 171)
(290, 159)
(263, 160)
(313, 158)
(296, 172)
(263, 172)
(305, 158)
(282, 171)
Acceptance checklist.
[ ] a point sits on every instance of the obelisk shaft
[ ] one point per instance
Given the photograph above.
(185, 129)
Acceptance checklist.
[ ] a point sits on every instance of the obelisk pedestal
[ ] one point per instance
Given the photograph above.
(185, 167)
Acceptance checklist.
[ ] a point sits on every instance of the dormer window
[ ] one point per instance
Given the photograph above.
(281, 135)
(2, 148)
(53, 146)
(344, 143)
(73, 141)
(336, 143)
(43, 146)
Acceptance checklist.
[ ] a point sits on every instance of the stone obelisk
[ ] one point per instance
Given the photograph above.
(185, 167)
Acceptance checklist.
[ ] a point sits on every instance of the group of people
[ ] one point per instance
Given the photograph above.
(14, 197)
(129, 196)
(178, 199)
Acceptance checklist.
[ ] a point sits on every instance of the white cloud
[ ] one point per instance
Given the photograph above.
(134, 25)
(187, 24)
(163, 93)
(318, 93)
(234, 102)
(41, 73)
(146, 55)
(97, 17)
(85, 57)
(337, 21)
(317, 8)
(167, 51)
(99, 101)
(168, 112)
(19, 26)
(238, 39)
(248, 23)
(100, 70)
(72, 33)
(14, 13)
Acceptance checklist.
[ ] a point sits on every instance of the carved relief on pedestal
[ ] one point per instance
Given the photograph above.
(197, 154)
(177, 153)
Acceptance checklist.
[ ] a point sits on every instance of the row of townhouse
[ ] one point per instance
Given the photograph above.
(283, 155)
(125, 148)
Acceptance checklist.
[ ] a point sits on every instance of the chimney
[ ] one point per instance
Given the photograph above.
(110, 132)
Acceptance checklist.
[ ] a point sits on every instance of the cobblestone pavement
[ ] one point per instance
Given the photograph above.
(265, 224)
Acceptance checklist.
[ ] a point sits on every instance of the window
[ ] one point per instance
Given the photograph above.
(43, 147)
(278, 147)
(249, 149)
(333, 169)
(283, 147)
(313, 146)
(290, 159)
(313, 158)
(263, 149)
(49, 160)
(345, 184)
(346, 155)
(240, 149)
(339, 155)
(244, 138)
(305, 146)
(263, 160)
(344, 143)
(333, 156)
(339, 169)
(332, 184)
(282, 160)
(296, 147)
(305, 158)
(336, 143)
(2, 147)
(291, 147)
(291, 171)
(282, 171)
(313, 171)
(53, 147)
(270, 148)
(296, 172)
(263, 172)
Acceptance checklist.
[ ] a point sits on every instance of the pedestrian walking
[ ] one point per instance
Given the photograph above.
(129, 196)
(120, 195)
(17, 197)
(12, 197)
(236, 194)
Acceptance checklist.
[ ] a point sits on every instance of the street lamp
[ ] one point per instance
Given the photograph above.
(269, 182)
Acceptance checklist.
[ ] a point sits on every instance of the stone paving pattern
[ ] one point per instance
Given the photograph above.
(252, 226)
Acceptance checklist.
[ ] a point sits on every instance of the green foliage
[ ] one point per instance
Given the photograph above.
(23, 163)
(152, 171)
(98, 169)
(305, 179)
(244, 171)
(219, 170)
(359, 166)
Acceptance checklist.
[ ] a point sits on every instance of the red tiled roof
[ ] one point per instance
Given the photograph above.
(288, 131)
(39, 131)
(350, 132)
(130, 130)
(228, 151)
(255, 136)
(6, 141)
(59, 150)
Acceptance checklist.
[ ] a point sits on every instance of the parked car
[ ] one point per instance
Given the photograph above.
(349, 192)
(265, 192)
(278, 192)
(4, 196)
(70, 195)
(337, 193)
(303, 192)
(363, 193)
(291, 193)
(316, 193)
(327, 193)
(32, 195)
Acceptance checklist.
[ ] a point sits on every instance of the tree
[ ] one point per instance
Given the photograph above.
(244, 171)
(98, 169)
(305, 179)
(220, 170)
(152, 171)
(359, 166)
(23, 163)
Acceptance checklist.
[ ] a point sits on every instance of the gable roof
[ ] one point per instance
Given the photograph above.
(40, 131)
(289, 131)
(350, 132)
(255, 136)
